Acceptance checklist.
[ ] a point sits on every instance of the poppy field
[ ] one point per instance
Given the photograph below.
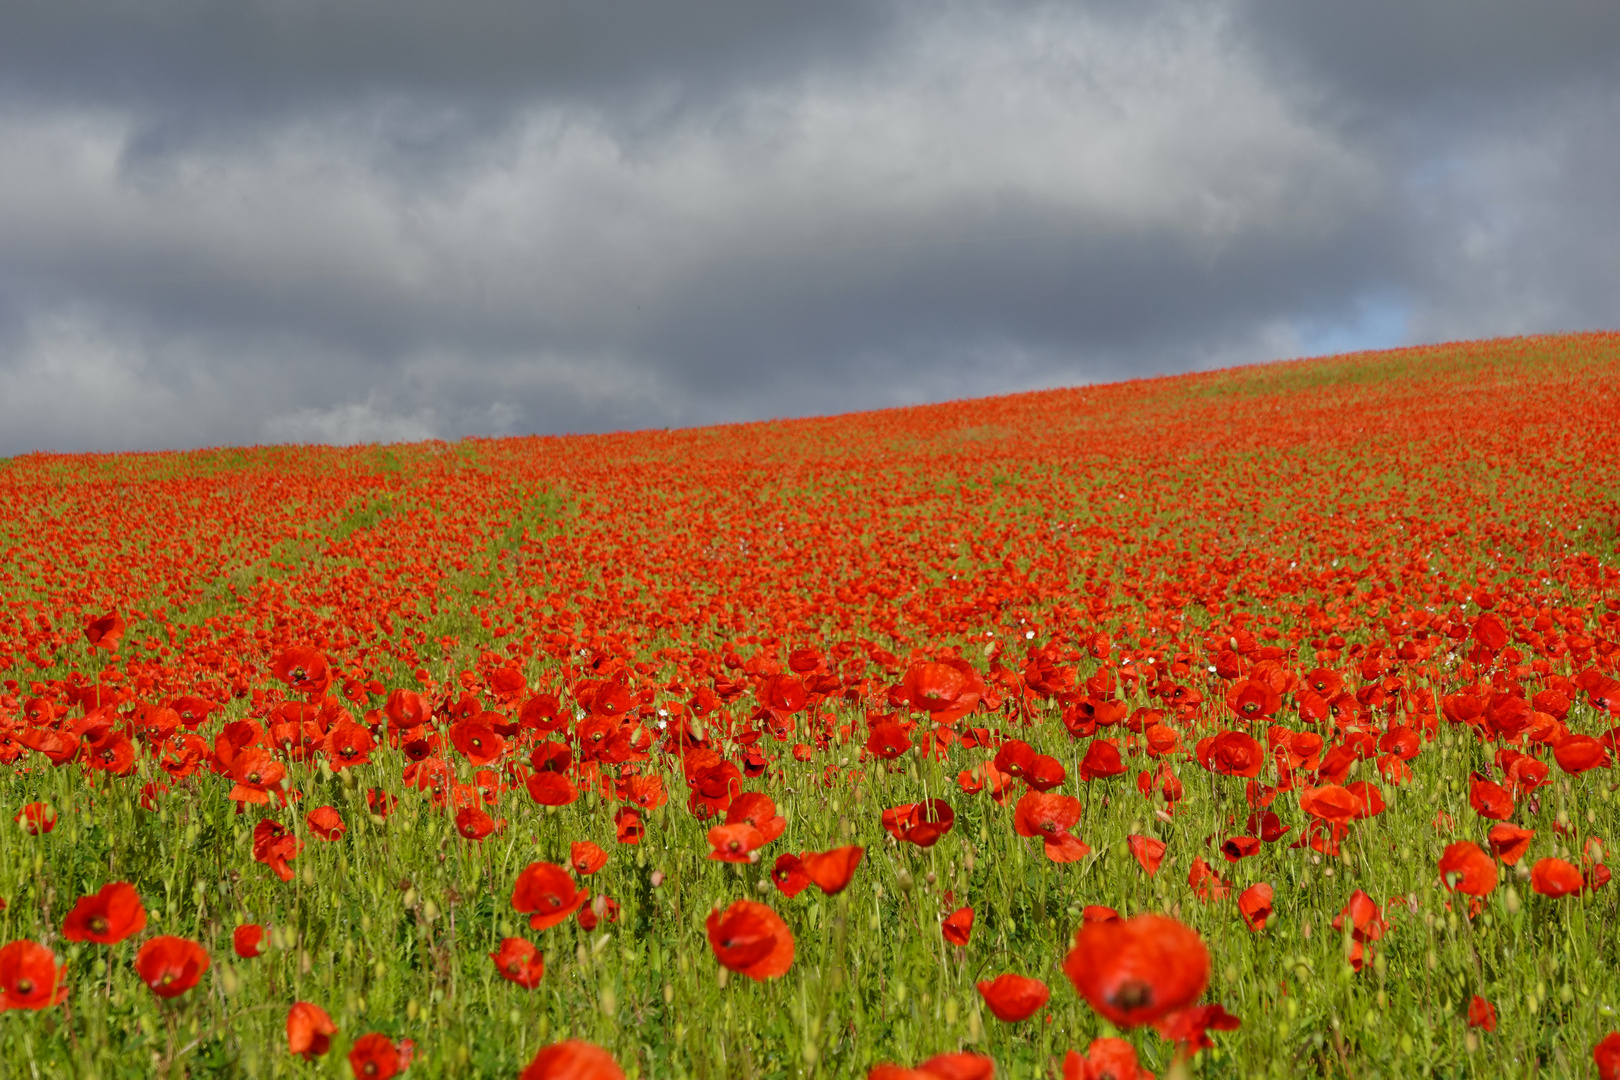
(1248, 723)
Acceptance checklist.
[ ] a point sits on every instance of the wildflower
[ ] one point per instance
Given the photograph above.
(520, 962)
(309, 1030)
(1138, 970)
(30, 978)
(1013, 997)
(108, 917)
(171, 965)
(752, 939)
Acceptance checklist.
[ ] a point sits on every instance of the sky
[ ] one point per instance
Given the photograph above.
(271, 221)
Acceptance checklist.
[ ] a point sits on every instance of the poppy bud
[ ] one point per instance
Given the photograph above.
(903, 880)
(669, 993)
(763, 885)
(930, 878)
(1510, 900)
(656, 879)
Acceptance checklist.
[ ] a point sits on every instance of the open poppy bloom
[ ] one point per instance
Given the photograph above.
(30, 977)
(572, 1059)
(309, 1030)
(1136, 970)
(103, 633)
(1464, 867)
(921, 823)
(519, 961)
(303, 669)
(1481, 1014)
(1050, 817)
(245, 940)
(1190, 1026)
(1147, 851)
(551, 789)
(887, 741)
(752, 939)
(948, 690)
(1105, 1059)
(171, 965)
(347, 744)
(326, 823)
(1254, 906)
(958, 1066)
(789, 876)
(108, 917)
(1555, 878)
(737, 843)
(37, 818)
(1509, 842)
(546, 890)
(255, 772)
(1206, 883)
(1102, 761)
(1013, 997)
(958, 926)
(1232, 753)
(473, 824)
(831, 871)
(1606, 1055)
(1576, 754)
(377, 1057)
(586, 858)
(1239, 847)
(1488, 798)
(273, 845)
(758, 810)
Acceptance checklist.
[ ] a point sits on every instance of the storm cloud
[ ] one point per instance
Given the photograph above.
(289, 221)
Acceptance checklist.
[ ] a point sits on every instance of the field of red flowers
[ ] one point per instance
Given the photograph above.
(1250, 723)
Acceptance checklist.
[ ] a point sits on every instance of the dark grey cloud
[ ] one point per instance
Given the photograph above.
(273, 222)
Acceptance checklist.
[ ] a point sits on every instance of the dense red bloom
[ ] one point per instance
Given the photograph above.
(245, 940)
(309, 1030)
(1481, 1014)
(572, 1060)
(1102, 761)
(887, 741)
(347, 744)
(1206, 884)
(406, 709)
(958, 926)
(103, 633)
(171, 965)
(758, 810)
(1555, 877)
(1232, 753)
(789, 875)
(547, 890)
(255, 771)
(376, 1057)
(551, 789)
(1239, 847)
(326, 823)
(1050, 817)
(108, 917)
(752, 939)
(37, 818)
(1105, 1059)
(1136, 970)
(1466, 868)
(1509, 842)
(627, 825)
(304, 669)
(1013, 997)
(1253, 699)
(273, 845)
(958, 1066)
(1489, 799)
(831, 870)
(30, 977)
(1330, 803)
(519, 961)
(1578, 753)
(1606, 1054)
(1190, 1026)
(948, 690)
(1254, 905)
(473, 824)
(1147, 850)
(737, 843)
(477, 741)
(586, 858)
(920, 823)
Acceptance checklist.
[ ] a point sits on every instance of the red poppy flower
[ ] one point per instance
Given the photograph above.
(958, 926)
(1253, 699)
(547, 890)
(477, 741)
(628, 825)
(1206, 883)
(304, 669)
(103, 633)
(1488, 798)
(171, 965)
(958, 1066)
(376, 1057)
(1555, 878)
(1606, 1055)
(920, 823)
(586, 858)
(1366, 924)
(602, 907)
(1136, 970)
(1102, 761)
(245, 940)
(1050, 817)
(1509, 842)
(519, 961)
(1481, 1014)
(752, 939)
(1148, 851)
(572, 1060)
(473, 824)
(1232, 753)
(789, 876)
(1239, 847)
(37, 818)
(326, 823)
(1330, 803)
(1013, 997)
(1268, 825)
(1106, 1059)
(108, 917)
(738, 843)
(1577, 753)
(551, 789)
(887, 741)
(1098, 913)
(758, 810)
(1190, 1026)
(1045, 772)
(273, 845)
(1464, 867)
(832, 870)
(347, 744)
(309, 1030)
(255, 771)
(1254, 906)
(947, 691)
(30, 977)
(406, 709)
